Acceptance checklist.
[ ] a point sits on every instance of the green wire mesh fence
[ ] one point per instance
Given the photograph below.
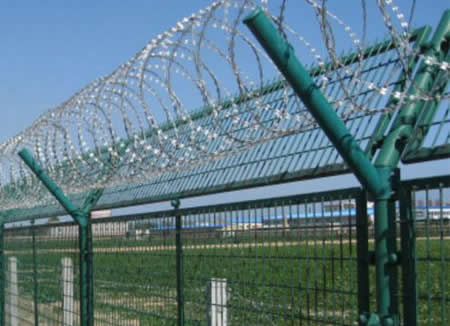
(427, 285)
(128, 139)
(42, 275)
(298, 260)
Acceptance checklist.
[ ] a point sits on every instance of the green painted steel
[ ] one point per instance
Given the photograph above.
(284, 58)
(429, 253)
(303, 155)
(377, 178)
(86, 275)
(408, 258)
(432, 141)
(401, 132)
(51, 186)
(362, 247)
(282, 274)
(383, 269)
(82, 218)
(375, 181)
(179, 263)
(403, 125)
(294, 260)
(422, 36)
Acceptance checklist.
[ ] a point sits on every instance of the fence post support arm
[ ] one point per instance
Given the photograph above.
(376, 181)
(82, 218)
(52, 187)
(284, 58)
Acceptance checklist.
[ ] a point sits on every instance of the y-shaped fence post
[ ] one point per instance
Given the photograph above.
(400, 134)
(82, 218)
(377, 182)
(376, 178)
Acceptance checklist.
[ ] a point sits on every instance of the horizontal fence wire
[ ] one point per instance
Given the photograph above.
(41, 253)
(432, 231)
(304, 154)
(279, 261)
(134, 274)
(435, 125)
(289, 263)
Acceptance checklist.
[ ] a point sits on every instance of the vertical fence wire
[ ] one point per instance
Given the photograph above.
(135, 270)
(431, 203)
(298, 260)
(39, 250)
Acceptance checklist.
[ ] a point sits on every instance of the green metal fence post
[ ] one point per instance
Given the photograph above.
(376, 181)
(35, 276)
(382, 276)
(179, 263)
(86, 253)
(376, 178)
(408, 258)
(86, 272)
(362, 254)
(284, 58)
(394, 261)
(393, 146)
(2, 275)
(423, 35)
(404, 123)
(82, 217)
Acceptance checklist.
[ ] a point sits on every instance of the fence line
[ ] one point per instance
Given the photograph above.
(293, 260)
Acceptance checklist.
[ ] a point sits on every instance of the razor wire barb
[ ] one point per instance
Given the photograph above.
(137, 123)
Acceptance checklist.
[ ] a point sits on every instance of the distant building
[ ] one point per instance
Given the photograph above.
(99, 229)
(432, 213)
(331, 215)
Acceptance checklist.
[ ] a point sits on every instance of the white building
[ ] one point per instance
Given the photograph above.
(99, 229)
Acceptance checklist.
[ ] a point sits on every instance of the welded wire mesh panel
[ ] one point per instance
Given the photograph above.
(274, 262)
(433, 127)
(134, 271)
(45, 259)
(19, 305)
(431, 204)
(137, 124)
(303, 153)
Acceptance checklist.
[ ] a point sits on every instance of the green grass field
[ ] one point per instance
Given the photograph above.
(312, 282)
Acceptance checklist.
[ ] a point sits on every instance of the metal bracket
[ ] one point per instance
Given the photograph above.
(395, 181)
(372, 319)
(175, 203)
(394, 258)
(369, 319)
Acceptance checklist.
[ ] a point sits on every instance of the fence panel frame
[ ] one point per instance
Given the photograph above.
(407, 239)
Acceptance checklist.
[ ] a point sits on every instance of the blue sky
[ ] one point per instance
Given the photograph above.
(50, 49)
